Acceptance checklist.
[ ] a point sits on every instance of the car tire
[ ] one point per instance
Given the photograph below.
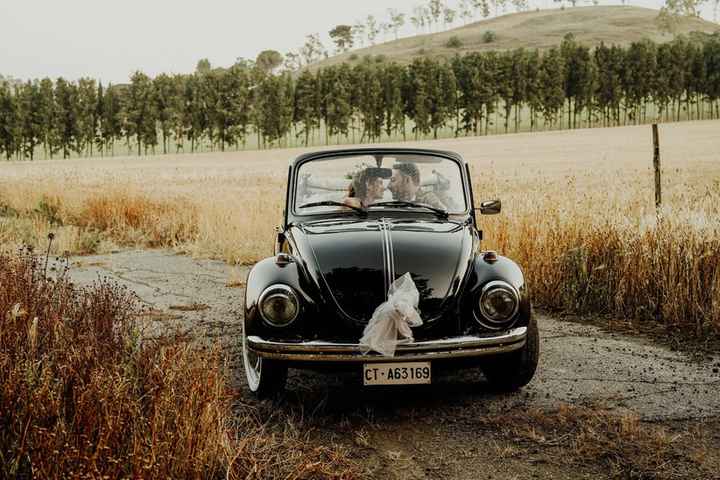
(265, 378)
(513, 371)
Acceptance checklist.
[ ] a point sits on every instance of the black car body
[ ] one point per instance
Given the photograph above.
(332, 269)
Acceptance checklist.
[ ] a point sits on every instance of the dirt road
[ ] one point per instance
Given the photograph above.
(430, 431)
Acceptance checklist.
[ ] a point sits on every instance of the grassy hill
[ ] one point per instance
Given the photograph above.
(537, 29)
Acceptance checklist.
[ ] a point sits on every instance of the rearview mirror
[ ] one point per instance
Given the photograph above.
(490, 207)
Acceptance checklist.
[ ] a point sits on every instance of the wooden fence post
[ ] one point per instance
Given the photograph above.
(656, 166)
(658, 204)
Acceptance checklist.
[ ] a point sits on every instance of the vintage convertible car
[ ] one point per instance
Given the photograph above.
(307, 306)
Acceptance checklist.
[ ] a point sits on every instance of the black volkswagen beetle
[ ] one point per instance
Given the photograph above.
(356, 220)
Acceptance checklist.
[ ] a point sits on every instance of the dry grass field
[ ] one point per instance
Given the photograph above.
(620, 25)
(86, 393)
(578, 215)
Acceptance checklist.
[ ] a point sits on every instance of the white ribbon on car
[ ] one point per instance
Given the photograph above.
(390, 323)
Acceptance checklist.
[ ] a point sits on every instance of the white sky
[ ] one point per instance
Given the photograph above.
(109, 40)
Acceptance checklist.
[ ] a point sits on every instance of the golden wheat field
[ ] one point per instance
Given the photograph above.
(578, 212)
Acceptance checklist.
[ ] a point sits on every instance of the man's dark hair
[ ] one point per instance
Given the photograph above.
(409, 169)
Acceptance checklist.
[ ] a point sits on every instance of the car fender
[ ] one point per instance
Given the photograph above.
(487, 268)
(283, 269)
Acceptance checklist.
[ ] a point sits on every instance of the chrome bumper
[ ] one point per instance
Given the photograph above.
(446, 348)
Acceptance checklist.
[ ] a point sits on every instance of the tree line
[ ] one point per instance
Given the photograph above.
(567, 86)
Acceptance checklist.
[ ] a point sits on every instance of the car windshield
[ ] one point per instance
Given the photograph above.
(379, 181)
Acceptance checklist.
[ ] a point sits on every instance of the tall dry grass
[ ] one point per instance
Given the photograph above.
(611, 253)
(578, 213)
(84, 395)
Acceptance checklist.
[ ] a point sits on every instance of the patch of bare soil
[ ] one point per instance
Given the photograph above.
(702, 346)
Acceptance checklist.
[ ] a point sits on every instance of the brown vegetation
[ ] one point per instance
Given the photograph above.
(621, 445)
(83, 394)
(578, 213)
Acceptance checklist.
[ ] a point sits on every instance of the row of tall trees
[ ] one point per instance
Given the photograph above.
(563, 87)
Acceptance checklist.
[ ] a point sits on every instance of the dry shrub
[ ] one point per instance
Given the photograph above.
(622, 443)
(121, 215)
(666, 270)
(134, 218)
(286, 452)
(83, 394)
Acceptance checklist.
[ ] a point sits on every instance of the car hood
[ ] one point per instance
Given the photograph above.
(353, 262)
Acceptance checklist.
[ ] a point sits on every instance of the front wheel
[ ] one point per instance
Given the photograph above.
(265, 378)
(513, 371)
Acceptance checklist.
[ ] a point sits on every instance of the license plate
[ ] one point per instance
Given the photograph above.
(396, 373)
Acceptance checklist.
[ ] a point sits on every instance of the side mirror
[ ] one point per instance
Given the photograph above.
(491, 207)
(279, 240)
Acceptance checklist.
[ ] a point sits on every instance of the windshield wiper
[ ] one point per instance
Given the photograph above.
(399, 203)
(333, 203)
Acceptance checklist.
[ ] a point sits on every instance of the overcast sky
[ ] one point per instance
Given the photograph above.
(109, 40)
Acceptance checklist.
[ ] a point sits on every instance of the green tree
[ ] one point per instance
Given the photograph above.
(392, 80)
(371, 29)
(638, 72)
(697, 80)
(225, 95)
(67, 118)
(443, 98)
(678, 73)
(608, 93)
(533, 88)
(194, 113)
(435, 89)
(140, 111)
(661, 81)
(239, 84)
(711, 55)
(8, 121)
(29, 131)
(99, 115)
(417, 98)
(342, 36)
(397, 20)
(579, 79)
(552, 79)
(488, 81)
(87, 121)
(369, 100)
(110, 121)
(307, 105)
(48, 116)
(269, 60)
(511, 83)
(336, 88)
(313, 49)
(167, 105)
(274, 107)
(203, 66)
(435, 8)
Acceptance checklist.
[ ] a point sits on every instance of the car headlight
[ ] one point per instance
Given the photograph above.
(279, 305)
(498, 303)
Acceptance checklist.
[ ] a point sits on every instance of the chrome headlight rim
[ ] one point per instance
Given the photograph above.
(483, 318)
(282, 290)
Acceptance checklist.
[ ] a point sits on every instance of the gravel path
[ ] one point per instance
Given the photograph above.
(404, 427)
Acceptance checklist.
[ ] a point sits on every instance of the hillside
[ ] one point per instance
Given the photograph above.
(536, 29)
